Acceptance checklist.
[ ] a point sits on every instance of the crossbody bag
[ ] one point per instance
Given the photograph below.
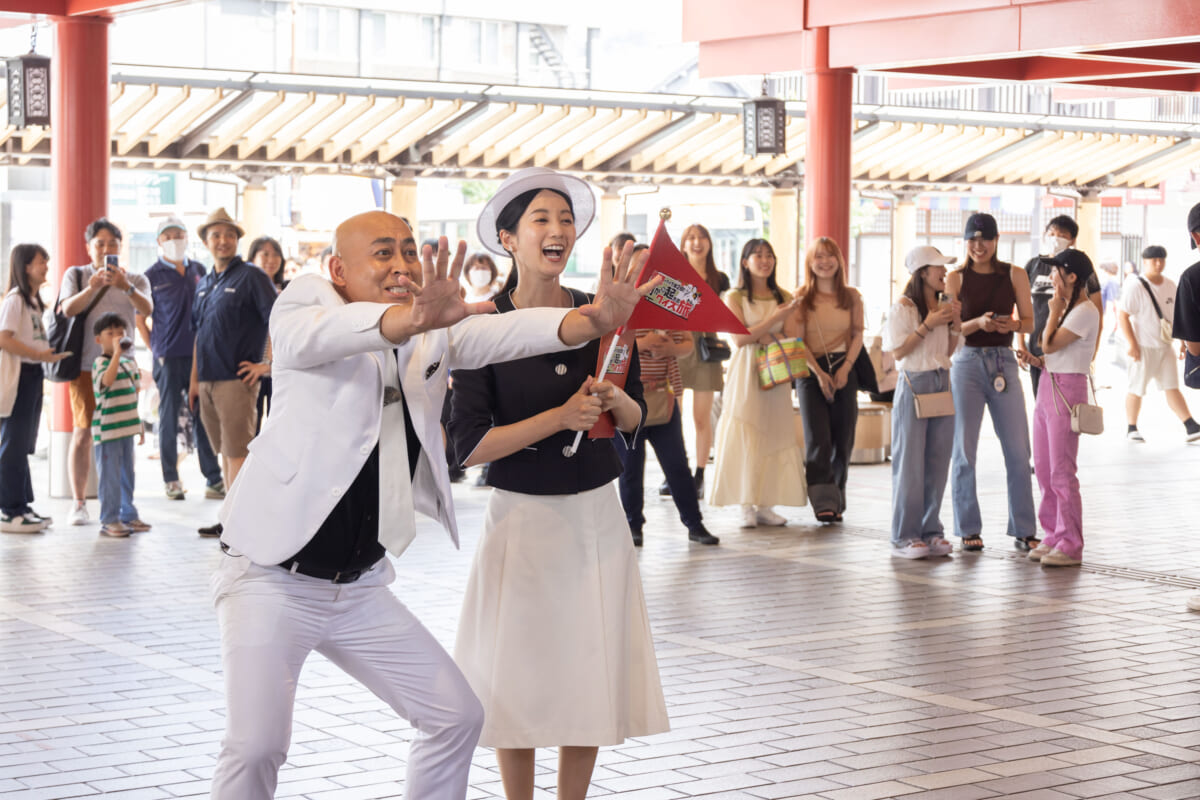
(1085, 417)
(1164, 324)
(931, 404)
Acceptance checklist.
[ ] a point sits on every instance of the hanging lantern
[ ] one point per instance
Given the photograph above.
(28, 90)
(764, 126)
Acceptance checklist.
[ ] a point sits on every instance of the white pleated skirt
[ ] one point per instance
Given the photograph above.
(554, 636)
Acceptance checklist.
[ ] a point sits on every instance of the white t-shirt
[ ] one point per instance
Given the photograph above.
(24, 322)
(1136, 303)
(1083, 321)
(931, 353)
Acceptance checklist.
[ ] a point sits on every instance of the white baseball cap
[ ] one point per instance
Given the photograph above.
(170, 222)
(583, 202)
(925, 256)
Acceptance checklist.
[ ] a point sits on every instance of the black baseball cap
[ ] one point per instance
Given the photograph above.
(982, 226)
(1075, 262)
(1194, 222)
(1155, 251)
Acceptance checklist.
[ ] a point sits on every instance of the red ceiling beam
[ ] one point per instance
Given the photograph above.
(52, 7)
(76, 8)
(1044, 69)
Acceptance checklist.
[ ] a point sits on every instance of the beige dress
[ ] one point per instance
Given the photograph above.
(757, 459)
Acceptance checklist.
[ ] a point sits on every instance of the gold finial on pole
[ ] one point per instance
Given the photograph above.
(665, 214)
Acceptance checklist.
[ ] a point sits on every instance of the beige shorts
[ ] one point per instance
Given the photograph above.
(1158, 364)
(83, 401)
(227, 411)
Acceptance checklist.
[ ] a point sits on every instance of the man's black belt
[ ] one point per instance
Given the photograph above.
(331, 575)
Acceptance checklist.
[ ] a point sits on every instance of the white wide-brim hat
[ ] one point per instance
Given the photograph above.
(926, 256)
(583, 202)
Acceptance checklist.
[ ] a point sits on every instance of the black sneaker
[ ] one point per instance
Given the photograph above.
(700, 535)
(212, 531)
(664, 490)
(1192, 428)
(636, 533)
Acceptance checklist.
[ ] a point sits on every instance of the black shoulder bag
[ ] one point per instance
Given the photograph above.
(65, 335)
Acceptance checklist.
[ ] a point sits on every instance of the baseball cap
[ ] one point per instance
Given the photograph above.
(981, 226)
(924, 256)
(1155, 251)
(170, 222)
(1075, 262)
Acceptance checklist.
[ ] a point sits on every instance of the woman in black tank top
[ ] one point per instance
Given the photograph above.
(984, 374)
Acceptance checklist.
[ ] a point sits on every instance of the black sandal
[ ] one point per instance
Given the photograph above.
(972, 544)
(1026, 544)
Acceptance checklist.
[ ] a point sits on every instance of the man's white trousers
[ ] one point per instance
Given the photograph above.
(271, 620)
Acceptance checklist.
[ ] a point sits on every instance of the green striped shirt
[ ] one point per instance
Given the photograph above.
(116, 414)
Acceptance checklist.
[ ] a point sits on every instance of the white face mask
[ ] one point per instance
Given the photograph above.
(479, 277)
(1056, 244)
(174, 249)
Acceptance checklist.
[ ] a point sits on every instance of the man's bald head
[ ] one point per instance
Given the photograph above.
(371, 251)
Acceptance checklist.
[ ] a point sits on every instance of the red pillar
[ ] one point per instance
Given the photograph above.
(830, 96)
(79, 151)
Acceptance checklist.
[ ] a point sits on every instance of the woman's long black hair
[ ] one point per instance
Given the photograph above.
(1075, 292)
(511, 214)
(18, 273)
(915, 290)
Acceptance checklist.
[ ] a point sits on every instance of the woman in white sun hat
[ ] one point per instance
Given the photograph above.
(921, 333)
(554, 636)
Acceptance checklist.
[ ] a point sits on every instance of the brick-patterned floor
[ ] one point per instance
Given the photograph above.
(798, 662)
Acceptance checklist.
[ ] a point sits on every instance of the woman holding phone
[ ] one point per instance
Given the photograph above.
(984, 374)
(921, 334)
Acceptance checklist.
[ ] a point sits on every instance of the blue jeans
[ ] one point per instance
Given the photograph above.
(18, 438)
(971, 374)
(172, 375)
(920, 460)
(667, 440)
(114, 471)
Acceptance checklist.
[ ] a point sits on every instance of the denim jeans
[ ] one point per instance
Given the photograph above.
(172, 375)
(920, 460)
(1055, 447)
(18, 438)
(667, 440)
(971, 374)
(114, 470)
(829, 429)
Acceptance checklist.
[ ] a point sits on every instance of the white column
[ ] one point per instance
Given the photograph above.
(785, 236)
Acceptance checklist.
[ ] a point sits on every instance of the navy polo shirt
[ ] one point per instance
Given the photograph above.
(229, 318)
(171, 331)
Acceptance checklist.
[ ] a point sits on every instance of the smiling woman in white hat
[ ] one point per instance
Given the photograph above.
(922, 331)
(554, 637)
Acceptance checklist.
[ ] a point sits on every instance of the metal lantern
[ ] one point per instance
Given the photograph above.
(28, 90)
(764, 126)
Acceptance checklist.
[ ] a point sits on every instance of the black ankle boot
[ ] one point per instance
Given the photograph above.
(700, 535)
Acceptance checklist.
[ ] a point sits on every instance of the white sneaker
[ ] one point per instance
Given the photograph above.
(911, 549)
(767, 516)
(1193, 603)
(21, 523)
(939, 547)
(1135, 436)
(749, 518)
(79, 515)
(1057, 558)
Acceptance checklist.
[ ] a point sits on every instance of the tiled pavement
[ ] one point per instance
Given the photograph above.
(798, 662)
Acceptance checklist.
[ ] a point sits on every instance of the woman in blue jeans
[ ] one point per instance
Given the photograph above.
(921, 333)
(984, 374)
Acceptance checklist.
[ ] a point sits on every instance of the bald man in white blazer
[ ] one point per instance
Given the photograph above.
(354, 356)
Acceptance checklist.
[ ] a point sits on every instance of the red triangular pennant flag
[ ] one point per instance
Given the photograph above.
(683, 301)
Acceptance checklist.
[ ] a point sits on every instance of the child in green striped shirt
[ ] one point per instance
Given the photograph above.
(115, 378)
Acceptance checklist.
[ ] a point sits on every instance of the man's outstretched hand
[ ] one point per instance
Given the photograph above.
(437, 300)
(616, 296)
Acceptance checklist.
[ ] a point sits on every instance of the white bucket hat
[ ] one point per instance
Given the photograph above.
(583, 202)
(925, 256)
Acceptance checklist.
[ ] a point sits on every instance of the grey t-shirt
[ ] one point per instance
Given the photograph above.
(114, 300)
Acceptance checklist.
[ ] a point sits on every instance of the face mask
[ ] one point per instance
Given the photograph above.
(1056, 244)
(479, 277)
(174, 249)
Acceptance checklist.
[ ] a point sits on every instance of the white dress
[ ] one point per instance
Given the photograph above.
(758, 461)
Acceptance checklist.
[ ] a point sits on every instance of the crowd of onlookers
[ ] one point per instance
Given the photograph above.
(959, 336)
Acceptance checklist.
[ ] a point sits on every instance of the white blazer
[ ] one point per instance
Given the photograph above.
(326, 408)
